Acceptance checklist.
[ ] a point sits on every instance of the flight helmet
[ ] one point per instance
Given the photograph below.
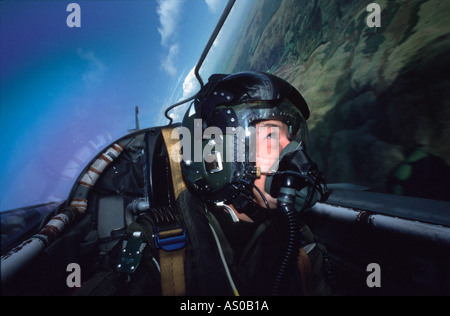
(218, 135)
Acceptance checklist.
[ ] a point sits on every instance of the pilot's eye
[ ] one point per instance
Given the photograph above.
(272, 135)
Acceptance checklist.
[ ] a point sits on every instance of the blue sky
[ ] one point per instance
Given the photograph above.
(66, 93)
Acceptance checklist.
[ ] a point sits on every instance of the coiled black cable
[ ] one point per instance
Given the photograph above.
(291, 226)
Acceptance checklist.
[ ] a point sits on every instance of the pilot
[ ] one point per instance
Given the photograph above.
(248, 189)
(249, 183)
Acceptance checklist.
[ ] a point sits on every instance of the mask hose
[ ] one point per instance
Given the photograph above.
(291, 225)
(296, 171)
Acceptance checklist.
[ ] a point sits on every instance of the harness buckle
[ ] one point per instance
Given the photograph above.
(170, 239)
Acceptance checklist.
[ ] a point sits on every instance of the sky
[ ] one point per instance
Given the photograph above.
(66, 92)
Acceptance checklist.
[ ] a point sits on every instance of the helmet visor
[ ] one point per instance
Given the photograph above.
(263, 128)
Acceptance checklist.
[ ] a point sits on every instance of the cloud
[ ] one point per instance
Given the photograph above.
(168, 62)
(190, 87)
(169, 14)
(213, 5)
(190, 84)
(96, 68)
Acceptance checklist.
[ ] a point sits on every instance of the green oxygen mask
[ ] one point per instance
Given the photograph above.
(295, 163)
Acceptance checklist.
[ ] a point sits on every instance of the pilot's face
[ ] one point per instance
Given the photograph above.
(271, 138)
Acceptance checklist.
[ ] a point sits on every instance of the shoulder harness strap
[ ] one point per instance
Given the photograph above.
(171, 240)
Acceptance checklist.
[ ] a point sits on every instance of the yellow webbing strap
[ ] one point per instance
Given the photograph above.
(172, 272)
(173, 145)
(172, 262)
